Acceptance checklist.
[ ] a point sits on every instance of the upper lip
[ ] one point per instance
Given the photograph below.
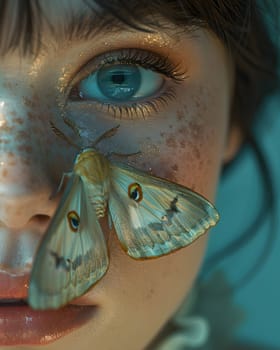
(13, 286)
(18, 248)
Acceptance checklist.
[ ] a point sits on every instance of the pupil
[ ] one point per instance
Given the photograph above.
(134, 194)
(75, 223)
(118, 78)
(119, 82)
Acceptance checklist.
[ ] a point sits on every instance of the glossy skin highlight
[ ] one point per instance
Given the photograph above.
(184, 141)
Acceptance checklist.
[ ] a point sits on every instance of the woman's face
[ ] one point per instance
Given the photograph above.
(170, 92)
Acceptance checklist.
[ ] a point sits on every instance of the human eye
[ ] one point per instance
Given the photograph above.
(128, 83)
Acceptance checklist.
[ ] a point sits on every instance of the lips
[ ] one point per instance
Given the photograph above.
(21, 325)
(13, 286)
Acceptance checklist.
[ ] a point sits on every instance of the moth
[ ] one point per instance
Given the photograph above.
(151, 216)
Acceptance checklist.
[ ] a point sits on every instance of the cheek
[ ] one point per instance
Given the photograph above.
(188, 156)
(187, 148)
(155, 279)
(145, 293)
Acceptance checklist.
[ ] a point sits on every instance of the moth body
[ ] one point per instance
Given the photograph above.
(94, 169)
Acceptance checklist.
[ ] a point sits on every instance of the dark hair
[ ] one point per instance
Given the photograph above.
(239, 24)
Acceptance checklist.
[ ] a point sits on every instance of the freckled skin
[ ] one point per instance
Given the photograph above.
(180, 115)
(171, 142)
(4, 173)
(175, 167)
(183, 142)
(189, 138)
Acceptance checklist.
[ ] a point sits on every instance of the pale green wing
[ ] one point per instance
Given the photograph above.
(161, 219)
(73, 253)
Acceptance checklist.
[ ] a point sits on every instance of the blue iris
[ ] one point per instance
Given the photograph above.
(120, 83)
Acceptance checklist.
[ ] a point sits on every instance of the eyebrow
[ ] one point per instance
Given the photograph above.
(85, 27)
(23, 30)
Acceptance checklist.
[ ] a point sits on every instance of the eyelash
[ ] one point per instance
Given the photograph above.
(144, 59)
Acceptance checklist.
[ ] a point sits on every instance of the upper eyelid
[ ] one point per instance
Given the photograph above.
(101, 60)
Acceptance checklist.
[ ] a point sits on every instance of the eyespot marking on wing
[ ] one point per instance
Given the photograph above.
(135, 192)
(73, 220)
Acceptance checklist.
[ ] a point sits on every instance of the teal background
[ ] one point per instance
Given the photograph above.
(240, 197)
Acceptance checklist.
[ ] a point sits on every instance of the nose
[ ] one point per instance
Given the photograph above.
(24, 194)
(25, 186)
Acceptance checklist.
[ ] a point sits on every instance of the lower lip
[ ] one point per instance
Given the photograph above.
(20, 325)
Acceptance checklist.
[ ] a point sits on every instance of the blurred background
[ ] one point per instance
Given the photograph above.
(248, 271)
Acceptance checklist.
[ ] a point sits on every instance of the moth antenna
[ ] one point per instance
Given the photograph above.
(72, 125)
(109, 133)
(61, 184)
(59, 133)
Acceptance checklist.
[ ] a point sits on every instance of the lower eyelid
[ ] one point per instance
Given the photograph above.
(145, 109)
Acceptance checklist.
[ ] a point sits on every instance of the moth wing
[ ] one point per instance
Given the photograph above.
(68, 263)
(168, 217)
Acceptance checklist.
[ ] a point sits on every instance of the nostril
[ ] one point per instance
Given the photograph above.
(40, 219)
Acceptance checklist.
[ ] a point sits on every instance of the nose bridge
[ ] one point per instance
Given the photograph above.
(24, 186)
